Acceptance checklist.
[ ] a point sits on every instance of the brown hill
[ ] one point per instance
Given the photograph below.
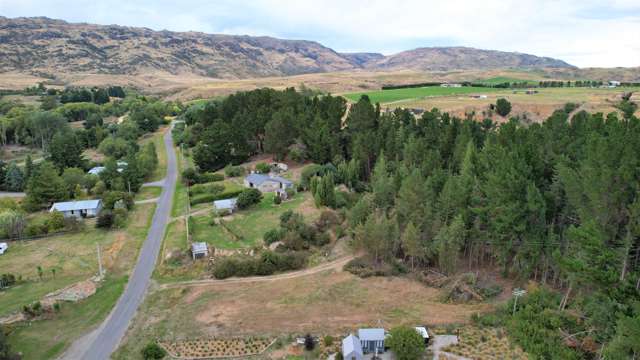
(464, 58)
(51, 48)
(42, 45)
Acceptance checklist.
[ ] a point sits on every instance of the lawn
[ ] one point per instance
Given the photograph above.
(249, 225)
(148, 192)
(74, 258)
(386, 96)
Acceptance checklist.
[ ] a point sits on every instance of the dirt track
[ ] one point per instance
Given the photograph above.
(333, 265)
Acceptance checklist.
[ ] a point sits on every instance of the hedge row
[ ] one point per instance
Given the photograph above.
(203, 198)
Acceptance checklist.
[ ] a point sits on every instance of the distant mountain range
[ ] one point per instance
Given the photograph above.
(49, 47)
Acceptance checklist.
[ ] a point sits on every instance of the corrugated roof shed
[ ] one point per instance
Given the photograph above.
(371, 334)
(76, 205)
(199, 247)
(225, 204)
(351, 344)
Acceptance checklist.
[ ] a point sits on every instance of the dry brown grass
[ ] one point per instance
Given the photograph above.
(486, 344)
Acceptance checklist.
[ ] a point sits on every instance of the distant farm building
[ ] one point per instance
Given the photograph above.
(78, 209)
(613, 83)
(199, 250)
(266, 183)
(453, 85)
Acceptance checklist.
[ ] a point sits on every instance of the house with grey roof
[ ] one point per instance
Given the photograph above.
(267, 183)
(78, 209)
(351, 348)
(225, 205)
(372, 340)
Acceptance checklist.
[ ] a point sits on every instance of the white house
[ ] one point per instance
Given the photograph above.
(613, 83)
(266, 183)
(422, 330)
(351, 348)
(78, 209)
(3, 247)
(226, 205)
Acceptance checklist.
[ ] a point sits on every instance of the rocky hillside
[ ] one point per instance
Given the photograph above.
(464, 58)
(48, 48)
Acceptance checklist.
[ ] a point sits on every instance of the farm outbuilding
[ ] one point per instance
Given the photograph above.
(372, 340)
(266, 183)
(199, 250)
(226, 205)
(78, 209)
(351, 348)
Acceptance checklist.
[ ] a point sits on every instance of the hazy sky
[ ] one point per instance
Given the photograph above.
(581, 32)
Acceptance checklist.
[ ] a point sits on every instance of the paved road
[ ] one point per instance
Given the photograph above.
(104, 340)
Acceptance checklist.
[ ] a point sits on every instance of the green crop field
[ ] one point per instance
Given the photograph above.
(386, 96)
(505, 79)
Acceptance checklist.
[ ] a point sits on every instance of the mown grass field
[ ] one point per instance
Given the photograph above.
(387, 96)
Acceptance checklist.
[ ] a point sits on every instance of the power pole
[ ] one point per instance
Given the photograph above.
(100, 271)
(516, 294)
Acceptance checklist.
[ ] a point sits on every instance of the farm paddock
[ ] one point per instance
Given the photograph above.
(331, 302)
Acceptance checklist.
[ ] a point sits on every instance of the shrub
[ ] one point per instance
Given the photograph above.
(263, 168)
(277, 200)
(272, 236)
(120, 217)
(503, 107)
(105, 220)
(297, 155)
(328, 340)
(406, 343)
(266, 263)
(191, 176)
(207, 188)
(7, 280)
(55, 221)
(153, 351)
(249, 197)
(233, 171)
(309, 343)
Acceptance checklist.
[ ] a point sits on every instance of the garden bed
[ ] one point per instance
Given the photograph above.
(485, 343)
(216, 348)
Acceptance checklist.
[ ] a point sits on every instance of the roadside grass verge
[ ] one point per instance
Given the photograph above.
(148, 192)
(46, 339)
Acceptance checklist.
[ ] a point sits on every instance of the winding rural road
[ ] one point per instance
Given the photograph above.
(100, 343)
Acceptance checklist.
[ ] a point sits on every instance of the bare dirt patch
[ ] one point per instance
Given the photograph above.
(332, 302)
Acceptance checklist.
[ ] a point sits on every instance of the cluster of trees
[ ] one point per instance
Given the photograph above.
(556, 201)
(279, 122)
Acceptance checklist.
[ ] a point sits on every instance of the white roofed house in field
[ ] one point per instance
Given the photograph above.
(78, 209)
(266, 183)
